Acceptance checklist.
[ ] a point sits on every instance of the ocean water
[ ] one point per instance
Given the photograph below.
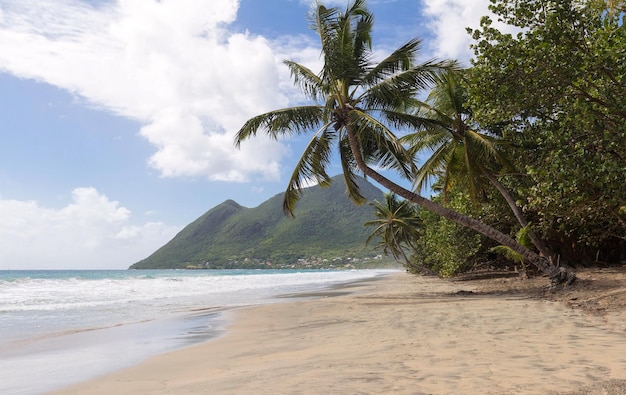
(62, 327)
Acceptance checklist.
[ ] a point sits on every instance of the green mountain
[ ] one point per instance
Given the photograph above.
(327, 230)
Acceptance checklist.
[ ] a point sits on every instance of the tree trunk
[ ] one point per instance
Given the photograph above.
(406, 259)
(537, 242)
(558, 276)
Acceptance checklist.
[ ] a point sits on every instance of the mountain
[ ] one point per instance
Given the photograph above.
(328, 228)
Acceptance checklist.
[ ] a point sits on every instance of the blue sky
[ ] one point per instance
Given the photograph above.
(118, 116)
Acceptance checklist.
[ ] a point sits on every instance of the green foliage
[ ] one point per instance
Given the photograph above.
(522, 238)
(326, 226)
(460, 151)
(445, 247)
(397, 227)
(508, 253)
(356, 103)
(558, 90)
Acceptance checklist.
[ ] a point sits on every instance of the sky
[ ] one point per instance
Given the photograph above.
(117, 118)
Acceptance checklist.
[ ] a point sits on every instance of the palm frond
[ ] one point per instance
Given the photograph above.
(450, 172)
(402, 120)
(434, 166)
(380, 145)
(398, 89)
(448, 95)
(380, 229)
(321, 19)
(523, 236)
(399, 60)
(508, 253)
(363, 42)
(482, 145)
(346, 46)
(472, 171)
(397, 226)
(311, 166)
(310, 84)
(427, 139)
(442, 114)
(287, 121)
(490, 149)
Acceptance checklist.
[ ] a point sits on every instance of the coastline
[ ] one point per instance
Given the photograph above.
(396, 334)
(71, 326)
(74, 356)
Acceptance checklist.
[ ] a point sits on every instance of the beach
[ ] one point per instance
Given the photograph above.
(399, 334)
(72, 326)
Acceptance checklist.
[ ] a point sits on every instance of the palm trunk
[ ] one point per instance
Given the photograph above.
(407, 262)
(558, 276)
(537, 242)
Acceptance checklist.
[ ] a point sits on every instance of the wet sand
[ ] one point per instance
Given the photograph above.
(401, 334)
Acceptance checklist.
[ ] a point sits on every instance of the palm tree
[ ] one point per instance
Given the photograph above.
(455, 146)
(356, 103)
(459, 149)
(615, 6)
(397, 227)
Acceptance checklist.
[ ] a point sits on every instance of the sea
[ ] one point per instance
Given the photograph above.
(58, 328)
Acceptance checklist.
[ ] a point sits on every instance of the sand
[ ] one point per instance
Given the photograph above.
(401, 334)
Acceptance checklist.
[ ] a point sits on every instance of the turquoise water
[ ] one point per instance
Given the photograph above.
(17, 275)
(69, 326)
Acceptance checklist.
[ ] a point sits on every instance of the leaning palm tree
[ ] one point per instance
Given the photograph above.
(356, 104)
(457, 150)
(460, 149)
(396, 227)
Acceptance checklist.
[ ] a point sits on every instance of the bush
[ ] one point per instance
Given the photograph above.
(445, 247)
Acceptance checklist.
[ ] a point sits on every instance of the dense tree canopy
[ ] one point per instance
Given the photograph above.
(558, 92)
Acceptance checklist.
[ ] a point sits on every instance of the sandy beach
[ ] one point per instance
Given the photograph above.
(401, 334)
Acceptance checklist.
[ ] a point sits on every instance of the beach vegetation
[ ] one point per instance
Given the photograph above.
(522, 237)
(327, 233)
(461, 153)
(358, 109)
(445, 247)
(553, 98)
(557, 91)
(396, 228)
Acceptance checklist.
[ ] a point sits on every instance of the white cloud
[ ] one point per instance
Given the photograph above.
(449, 19)
(171, 64)
(91, 232)
(448, 22)
(174, 66)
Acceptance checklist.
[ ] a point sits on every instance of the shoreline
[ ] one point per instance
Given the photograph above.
(74, 326)
(394, 334)
(75, 356)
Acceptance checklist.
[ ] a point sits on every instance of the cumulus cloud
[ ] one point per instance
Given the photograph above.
(175, 66)
(171, 64)
(448, 22)
(91, 232)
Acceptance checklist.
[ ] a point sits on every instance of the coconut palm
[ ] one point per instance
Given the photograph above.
(356, 104)
(460, 149)
(396, 227)
(457, 149)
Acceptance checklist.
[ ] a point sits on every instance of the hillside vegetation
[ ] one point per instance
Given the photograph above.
(327, 231)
